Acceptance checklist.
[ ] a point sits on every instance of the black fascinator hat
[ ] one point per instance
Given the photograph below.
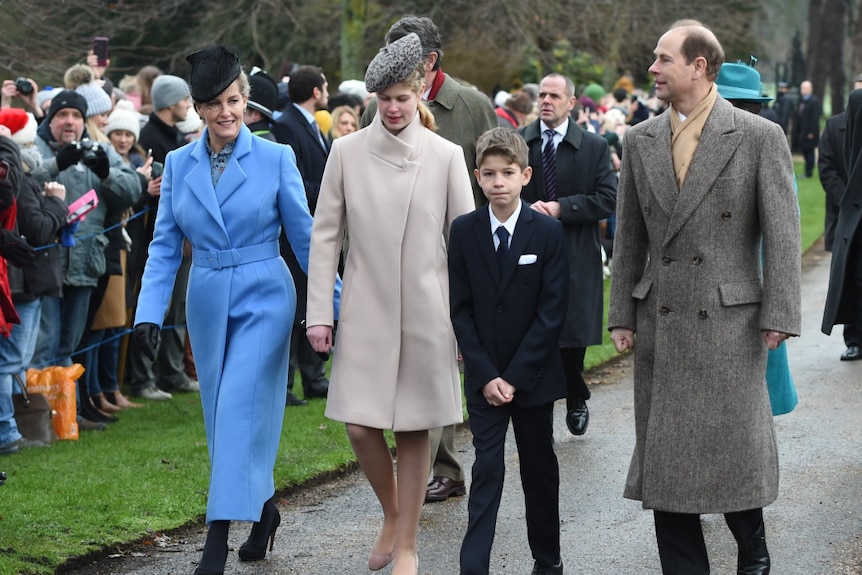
(214, 68)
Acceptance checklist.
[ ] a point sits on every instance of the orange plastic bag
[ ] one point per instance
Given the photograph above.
(57, 384)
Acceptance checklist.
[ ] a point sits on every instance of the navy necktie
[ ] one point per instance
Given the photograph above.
(549, 166)
(503, 248)
(320, 137)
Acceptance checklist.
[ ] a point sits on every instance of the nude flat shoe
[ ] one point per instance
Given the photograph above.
(377, 561)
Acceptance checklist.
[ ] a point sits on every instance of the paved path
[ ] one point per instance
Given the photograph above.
(815, 527)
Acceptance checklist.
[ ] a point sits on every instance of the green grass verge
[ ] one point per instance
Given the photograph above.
(149, 472)
(146, 474)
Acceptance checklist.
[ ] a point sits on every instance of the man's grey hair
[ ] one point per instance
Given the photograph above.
(423, 27)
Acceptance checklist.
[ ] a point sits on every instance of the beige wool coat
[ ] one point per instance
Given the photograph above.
(688, 279)
(394, 365)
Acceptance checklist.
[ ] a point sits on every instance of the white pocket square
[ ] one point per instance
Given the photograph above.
(527, 259)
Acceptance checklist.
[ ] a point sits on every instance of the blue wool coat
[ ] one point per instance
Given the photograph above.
(239, 316)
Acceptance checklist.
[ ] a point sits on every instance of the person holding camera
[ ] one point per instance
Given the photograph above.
(72, 159)
(25, 89)
(110, 300)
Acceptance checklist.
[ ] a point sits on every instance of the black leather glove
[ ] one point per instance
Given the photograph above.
(69, 155)
(146, 339)
(99, 163)
(16, 249)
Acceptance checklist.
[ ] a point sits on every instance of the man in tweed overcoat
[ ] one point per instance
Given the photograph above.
(701, 186)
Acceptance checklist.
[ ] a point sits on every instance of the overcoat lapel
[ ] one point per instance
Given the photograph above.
(658, 163)
(199, 181)
(234, 176)
(718, 142)
(400, 153)
(482, 232)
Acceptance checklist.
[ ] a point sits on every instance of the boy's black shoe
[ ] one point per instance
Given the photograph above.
(552, 570)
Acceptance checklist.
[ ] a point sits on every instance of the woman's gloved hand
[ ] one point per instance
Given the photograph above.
(146, 339)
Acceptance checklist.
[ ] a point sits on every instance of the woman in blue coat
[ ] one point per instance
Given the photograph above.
(230, 194)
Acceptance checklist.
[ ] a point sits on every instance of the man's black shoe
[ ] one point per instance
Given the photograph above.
(578, 418)
(317, 390)
(293, 400)
(852, 353)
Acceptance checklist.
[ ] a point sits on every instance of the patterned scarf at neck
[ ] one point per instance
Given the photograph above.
(685, 135)
(219, 160)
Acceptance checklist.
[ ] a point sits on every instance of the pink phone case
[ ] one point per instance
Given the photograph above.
(82, 206)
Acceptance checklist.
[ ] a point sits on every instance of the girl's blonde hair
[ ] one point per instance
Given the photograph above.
(416, 82)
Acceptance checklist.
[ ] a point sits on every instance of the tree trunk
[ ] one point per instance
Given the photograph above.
(856, 44)
(353, 17)
(816, 69)
(835, 31)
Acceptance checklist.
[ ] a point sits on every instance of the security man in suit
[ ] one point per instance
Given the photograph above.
(308, 90)
(575, 183)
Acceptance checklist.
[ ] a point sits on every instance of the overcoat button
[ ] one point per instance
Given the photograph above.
(647, 210)
(703, 314)
(696, 260)
(666, 260)
(725, 215)
(664, 310)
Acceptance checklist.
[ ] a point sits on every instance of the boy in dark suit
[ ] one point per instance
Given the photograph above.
(508, 290)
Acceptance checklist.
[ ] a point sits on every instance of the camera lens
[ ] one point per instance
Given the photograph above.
(23, 86)
(88, 150)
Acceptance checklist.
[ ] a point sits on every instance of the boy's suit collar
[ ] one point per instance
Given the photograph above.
(524, 230)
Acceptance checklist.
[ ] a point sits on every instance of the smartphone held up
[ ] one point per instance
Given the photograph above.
(100, 49)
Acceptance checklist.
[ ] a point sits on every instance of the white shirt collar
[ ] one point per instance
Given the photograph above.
(508, 224)
(560, 130)
(308, 115)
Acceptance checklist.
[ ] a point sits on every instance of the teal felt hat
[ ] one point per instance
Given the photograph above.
(740, 82)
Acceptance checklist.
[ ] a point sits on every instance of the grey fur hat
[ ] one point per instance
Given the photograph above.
(393, 63)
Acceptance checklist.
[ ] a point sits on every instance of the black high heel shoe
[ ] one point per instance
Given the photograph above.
(262, 532)
(215, 550)
(209, 567)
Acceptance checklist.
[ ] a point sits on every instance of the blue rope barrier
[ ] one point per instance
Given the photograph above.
(123, 333)
(94, 234)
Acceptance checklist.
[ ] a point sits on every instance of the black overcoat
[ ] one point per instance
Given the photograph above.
(587, 192)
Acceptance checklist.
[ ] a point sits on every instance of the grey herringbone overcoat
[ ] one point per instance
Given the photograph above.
(688, 279)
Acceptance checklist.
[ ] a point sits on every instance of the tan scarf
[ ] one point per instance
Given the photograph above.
(686, 134)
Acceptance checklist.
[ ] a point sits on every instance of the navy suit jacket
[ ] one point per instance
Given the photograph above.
(292, 128)
(508, 323)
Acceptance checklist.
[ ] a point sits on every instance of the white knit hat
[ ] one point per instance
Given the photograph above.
(98, 101)
(191, 124)
(124, 117)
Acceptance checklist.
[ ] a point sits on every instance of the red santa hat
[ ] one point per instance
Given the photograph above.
(22, 125)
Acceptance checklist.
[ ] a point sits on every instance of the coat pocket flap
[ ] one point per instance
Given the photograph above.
(740, 293)
(642, 289)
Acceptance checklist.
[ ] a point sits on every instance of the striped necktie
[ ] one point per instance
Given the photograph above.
(549, 166)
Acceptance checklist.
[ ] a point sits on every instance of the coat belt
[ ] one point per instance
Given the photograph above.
(218, 259)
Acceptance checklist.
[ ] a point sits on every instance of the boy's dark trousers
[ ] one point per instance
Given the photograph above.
(540, 477)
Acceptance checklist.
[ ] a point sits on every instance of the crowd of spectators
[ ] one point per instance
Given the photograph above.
(72, 285)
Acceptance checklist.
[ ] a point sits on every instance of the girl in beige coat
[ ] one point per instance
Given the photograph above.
(396, 186)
